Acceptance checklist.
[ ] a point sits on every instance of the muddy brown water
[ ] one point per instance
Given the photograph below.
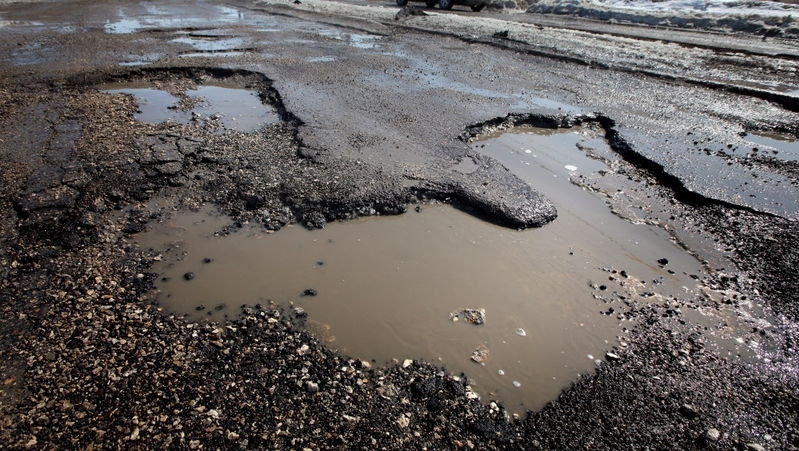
(386, 287)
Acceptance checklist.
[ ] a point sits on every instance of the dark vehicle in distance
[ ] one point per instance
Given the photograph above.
(476, 5)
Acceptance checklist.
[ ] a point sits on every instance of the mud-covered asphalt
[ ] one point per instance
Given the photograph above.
(375, 109)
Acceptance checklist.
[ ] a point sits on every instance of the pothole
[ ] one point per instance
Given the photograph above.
(231, 105)
(387, 289)
(781, 146)
(556, 299)
(212, 42)
(576, 169)
(165, 17)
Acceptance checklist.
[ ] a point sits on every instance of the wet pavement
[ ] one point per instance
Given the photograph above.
(659, 180)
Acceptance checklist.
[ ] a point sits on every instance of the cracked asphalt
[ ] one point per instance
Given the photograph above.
(376, 110)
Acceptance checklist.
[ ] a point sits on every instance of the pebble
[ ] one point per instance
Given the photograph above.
(713, 434)
(188, 276)
(403, 421)
(312, 387)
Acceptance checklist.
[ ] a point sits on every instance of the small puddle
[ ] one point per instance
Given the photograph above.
(359, 41)
(387, 288)
(320, 59)
(141, 60)
(778, 145)
(210, 43)
(234, 108)
(158, 17)
(466, 166)
(549, 159)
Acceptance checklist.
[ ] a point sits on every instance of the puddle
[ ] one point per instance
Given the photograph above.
(548, 159)
(32, 53)
(212, 44)
(466, 166)
(157, 17)
(211, 54)
(235, 108)
(356, 40)
(320, 59)
(141, 60)
(385, 288)
(778, 145)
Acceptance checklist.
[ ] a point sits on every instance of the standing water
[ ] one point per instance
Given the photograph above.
(235, 108)
(395, 288)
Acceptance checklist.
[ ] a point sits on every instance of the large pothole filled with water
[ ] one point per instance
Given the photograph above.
(521, 313)
(225, 102)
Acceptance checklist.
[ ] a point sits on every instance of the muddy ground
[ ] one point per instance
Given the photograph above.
(90, 361)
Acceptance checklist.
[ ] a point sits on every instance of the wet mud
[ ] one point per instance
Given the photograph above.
(93, 358)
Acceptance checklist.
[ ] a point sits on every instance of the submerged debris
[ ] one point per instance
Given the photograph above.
(481, 355)
(476, 316)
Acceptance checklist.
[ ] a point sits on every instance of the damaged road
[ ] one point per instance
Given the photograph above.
(374, 114)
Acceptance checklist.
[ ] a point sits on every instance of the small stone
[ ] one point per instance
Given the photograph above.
(475, 316)
(612, 356)
(663, 261)
(755, 447)
(713, 434)
(310, 292)
(406, 363)
(480, 355)
(208, 260)
(403, 421)
(188, 276)
(311, 387)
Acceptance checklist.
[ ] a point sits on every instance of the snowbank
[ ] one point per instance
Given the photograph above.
(767, 18)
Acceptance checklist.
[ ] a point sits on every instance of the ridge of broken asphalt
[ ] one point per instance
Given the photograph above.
(379, 20)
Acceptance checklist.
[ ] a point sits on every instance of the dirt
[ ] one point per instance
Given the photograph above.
(91, 361)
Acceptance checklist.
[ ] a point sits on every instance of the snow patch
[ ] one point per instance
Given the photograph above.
(767, 18)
